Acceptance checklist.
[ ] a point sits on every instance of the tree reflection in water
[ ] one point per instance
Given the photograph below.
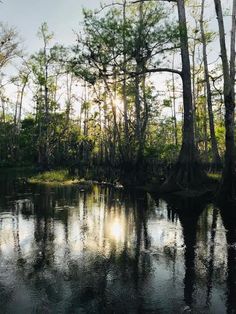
(229, 220)
(106, 250)
(189, 211)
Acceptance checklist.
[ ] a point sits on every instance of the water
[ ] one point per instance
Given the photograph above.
(63, 250)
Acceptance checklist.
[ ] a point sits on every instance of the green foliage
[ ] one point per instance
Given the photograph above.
(220, 136)
(56, 176)
(119, 119)
(26, 140)
(215, 176)
(100, 50)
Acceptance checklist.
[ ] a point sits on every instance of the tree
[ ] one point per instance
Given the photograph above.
(215, 152)
(9, 45)
(46, 67)
(187, 172)
(120, 50)
(228, 186)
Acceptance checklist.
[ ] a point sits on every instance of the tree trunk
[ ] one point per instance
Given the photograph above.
(214, 146)
(233, 51)
(21, 100)
(46, 144)
(174, 104)
(138, 59)
(187, 173)
(205, 109)
(228, 187)
(194, 92)
(124, 88)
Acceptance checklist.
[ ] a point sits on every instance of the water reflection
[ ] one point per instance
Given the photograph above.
(189, 211)
(63, 250)
(229, 219)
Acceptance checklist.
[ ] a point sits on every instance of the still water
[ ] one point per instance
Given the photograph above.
(66, 250)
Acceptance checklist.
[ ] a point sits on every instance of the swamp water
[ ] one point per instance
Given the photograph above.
(66, 250)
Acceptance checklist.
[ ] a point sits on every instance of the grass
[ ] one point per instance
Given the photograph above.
(216, 176)
(55, 177)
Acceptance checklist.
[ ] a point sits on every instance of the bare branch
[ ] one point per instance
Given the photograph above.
(103, 7)
(163, 70)
(145, 71)
(138, 1)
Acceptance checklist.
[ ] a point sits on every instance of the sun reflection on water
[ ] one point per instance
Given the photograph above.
(105, 238)
(117, 230)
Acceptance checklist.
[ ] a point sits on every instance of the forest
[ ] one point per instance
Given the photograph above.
(117, 156)
(144, 95)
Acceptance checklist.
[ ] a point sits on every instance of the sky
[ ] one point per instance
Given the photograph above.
(62, 17)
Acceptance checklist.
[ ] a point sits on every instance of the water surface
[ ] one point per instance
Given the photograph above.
(66, 250)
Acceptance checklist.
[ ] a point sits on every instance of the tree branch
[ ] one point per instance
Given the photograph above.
(163, 70)
(145, 71)
(138, 1)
